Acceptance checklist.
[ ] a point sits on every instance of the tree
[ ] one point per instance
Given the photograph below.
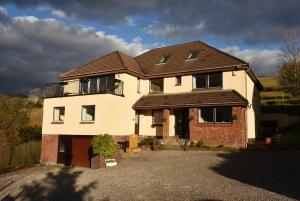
(289, 70)
(13, 117)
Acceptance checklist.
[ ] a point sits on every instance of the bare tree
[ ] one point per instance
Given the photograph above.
(289, 69)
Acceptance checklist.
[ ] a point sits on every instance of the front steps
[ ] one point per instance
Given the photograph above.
(172, 143)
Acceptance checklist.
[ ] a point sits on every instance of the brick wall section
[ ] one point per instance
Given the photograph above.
(230, 135)
(166, 115)
(49, 149)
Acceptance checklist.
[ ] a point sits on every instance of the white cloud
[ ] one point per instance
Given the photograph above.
(59, 13)
(171, 30)
(130, 21)
(264, 62)
(41, 49)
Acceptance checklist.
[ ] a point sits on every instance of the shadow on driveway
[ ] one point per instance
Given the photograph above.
(55, 186)
(278, 172)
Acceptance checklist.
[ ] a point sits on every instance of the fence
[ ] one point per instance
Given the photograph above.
(22, 154)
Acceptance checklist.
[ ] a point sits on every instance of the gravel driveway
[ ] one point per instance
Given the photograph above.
(165, 175)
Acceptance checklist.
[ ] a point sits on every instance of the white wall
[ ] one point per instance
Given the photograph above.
(113, 114)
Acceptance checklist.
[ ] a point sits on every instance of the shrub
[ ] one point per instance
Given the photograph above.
(104, 145)
(30, 133)
(198, 144)
(150, 141)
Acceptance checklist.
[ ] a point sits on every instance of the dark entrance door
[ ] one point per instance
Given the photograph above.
(182, 122)
(64, 150)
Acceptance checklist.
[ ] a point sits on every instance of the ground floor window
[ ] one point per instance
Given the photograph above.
(215, 115)
(157, 117)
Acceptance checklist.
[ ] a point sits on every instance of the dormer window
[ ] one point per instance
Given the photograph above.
(193, 54)
(164, 59)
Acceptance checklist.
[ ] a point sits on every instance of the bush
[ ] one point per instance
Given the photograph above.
(150, 141)
(198, 144)
(30, 133)
(288, 140)
(104, 145)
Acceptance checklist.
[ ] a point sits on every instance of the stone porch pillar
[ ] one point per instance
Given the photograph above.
(166, 123)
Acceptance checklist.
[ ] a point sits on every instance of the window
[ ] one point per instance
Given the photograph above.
(157, 85)
(223, 114)
(93, 82)
(193, 54)
(157, 117)
(206, 115)
(59, 114)
(178, 80)
(138, 85)
(165, 58)
(88, 113)
(103, 84)
(84, 86)
(208, 80)
(215, 80)
(215, 115)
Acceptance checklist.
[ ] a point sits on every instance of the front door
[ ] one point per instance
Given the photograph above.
(182, 122)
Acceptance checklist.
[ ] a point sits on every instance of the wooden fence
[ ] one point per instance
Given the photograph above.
(22, 154)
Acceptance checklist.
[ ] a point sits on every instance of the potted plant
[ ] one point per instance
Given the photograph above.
(103, 147)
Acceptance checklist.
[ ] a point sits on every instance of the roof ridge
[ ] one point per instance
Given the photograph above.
(143, 73)
(121, 60)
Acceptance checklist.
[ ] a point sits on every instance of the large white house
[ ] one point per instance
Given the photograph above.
(190, 90)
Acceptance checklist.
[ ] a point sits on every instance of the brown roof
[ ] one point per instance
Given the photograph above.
(191, 99)
(110, 63)
(147, 64)
(208, 58)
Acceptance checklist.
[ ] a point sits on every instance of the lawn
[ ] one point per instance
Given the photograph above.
(289, 139)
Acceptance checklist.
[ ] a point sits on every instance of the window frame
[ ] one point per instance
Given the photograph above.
(138, 85)
(214, 115)
(178, 80)
(162, 119)
(164, 58)
(59, 120)
(150, 83)
(207, 81)
(194, 54)
(84, 106)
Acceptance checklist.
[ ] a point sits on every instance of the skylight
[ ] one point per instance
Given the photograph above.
(193, 54)
(164, 58)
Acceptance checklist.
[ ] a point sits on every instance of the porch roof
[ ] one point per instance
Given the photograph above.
(191, 99)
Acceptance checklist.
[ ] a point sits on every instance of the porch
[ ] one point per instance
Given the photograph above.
(213, 117)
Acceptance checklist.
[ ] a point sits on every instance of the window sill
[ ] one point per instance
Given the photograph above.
(215, 124)
(86, 122)
(177, 85)
(156, 125)
(208, 88)
(57, 122)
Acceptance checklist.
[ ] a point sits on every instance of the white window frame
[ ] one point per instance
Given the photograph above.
(58, 117)
(84, 118)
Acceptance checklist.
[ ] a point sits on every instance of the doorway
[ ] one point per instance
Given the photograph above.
(182, 122)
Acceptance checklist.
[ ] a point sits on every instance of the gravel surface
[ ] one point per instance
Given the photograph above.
(165, 175)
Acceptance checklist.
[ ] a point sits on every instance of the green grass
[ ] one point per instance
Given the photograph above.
(269, 82)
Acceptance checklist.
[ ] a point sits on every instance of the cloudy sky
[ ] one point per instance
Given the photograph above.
(39, 39)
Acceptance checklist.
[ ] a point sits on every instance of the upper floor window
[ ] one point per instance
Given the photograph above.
(59, 114)
(193, 54)
(157, 85)
(178, 80)
(208, 80)
(215, 115)
(88, 113)
(103, 84)
(165, 58)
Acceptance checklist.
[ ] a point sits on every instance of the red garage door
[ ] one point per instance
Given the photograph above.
(81, 150)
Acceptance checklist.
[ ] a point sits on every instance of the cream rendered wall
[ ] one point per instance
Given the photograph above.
(242, 83)
(145, 124)
(113, 114)
(186, 84)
